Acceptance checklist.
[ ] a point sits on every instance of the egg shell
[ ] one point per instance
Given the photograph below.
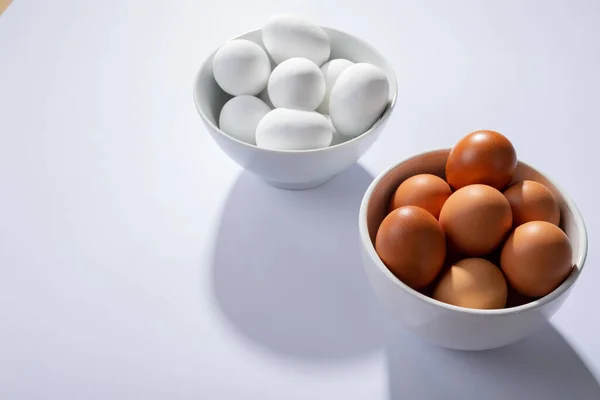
(358, 98)
(411, 243)
(241, 67)
(476, 219)
(297, 83)
(536, 258)
(287, 36)
(481, 157)
(532, 201)
(427, 191)
(286, 129)
(472, 283)
(240, 116)
(331, 70)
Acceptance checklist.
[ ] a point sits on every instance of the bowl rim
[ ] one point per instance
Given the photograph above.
(384, 116)
(556, 293)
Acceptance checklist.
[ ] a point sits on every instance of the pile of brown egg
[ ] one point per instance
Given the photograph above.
(472, 239)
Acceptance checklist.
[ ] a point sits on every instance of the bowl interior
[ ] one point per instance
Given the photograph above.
(210, 98)
(434, 163)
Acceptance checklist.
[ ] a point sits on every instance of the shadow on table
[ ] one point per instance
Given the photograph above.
(287, 270)
(543, 366)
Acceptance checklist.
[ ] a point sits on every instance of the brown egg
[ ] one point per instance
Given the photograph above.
(476, 219)
(427, 191)
(536, 258)
(412, 245)
(485, 157)
(472, 283)
(532, 201)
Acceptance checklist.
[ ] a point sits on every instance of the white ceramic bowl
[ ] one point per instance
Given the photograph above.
(447, 325)
(293, 169)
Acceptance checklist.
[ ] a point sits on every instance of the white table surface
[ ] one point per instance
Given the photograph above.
(138, 262)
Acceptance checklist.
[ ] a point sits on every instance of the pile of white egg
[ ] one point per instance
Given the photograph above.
(305, 102)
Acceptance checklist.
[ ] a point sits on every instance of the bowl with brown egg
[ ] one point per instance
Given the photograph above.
(469, 247)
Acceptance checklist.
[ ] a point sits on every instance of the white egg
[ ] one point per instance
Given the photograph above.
(358, 98)
(240, 116)
(241, 67)
(287, 36)
(285, 129)
(331, 71)
(297, 83)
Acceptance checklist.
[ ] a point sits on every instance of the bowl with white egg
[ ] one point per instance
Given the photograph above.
(293, 102)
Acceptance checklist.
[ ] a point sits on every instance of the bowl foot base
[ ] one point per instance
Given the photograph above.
(299, 185)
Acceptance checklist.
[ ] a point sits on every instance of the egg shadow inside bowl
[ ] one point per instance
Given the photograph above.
(542, 366)
(287, 271)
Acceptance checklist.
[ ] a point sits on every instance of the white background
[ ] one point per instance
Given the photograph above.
(138, 262)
